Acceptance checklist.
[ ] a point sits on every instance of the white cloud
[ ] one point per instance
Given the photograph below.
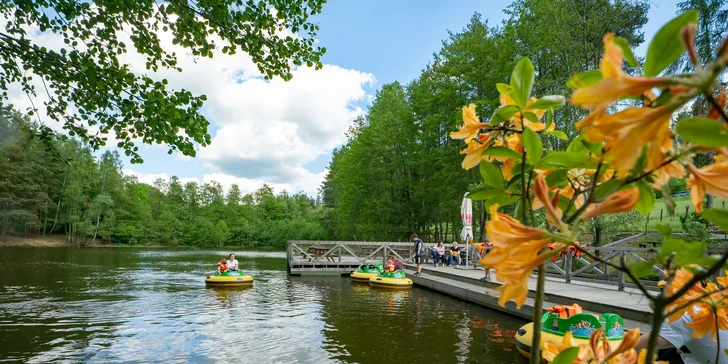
(266, 130)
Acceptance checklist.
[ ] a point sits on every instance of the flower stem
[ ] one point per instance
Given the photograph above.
(717, 335)
(657, 318)
(537, 312)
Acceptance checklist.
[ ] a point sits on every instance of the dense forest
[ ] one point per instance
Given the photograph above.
(52, 184)
(400, 172)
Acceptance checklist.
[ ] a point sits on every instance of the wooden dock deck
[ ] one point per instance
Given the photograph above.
(592, 297)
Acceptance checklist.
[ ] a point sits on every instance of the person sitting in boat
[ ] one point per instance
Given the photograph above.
(390, 266)
(232, 262)
(398, 264)
(438, 253)
(222, 266)
(454, 255)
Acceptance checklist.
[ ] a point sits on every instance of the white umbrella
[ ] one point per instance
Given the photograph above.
(466, 214)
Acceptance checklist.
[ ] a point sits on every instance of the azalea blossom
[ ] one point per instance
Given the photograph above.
(711, 179)
(541, 191)
(613, 85)
(474, 151)
(471, 125)
(621, 201)
(627, 132)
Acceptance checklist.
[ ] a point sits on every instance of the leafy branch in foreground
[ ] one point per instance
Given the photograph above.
(91, 92)
(620, 158)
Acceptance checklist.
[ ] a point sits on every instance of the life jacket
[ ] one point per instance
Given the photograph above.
(390, 267)
(222, 268)
(480, 247)
(572, 249)
(565, 311)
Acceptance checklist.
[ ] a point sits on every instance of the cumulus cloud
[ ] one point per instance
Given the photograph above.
(264, 130)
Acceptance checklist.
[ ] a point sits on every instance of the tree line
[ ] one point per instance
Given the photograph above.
(51, 184)
(399, 172)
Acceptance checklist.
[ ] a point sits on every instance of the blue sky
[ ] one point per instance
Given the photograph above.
(369, 43)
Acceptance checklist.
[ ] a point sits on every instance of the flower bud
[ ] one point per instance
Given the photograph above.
(688, 38)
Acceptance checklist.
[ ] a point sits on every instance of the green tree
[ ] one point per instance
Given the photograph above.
(86, 74)
(222, 233)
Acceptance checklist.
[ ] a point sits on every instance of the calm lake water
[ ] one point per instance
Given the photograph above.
(132, 305)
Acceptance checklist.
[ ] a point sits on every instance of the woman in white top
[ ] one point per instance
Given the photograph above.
(232, 263)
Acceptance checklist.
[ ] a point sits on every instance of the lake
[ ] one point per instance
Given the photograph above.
(141, 304)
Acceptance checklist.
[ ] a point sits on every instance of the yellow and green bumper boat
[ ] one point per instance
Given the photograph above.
(234, 278)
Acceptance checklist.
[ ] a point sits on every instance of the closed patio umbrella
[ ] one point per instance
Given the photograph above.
(466, 214)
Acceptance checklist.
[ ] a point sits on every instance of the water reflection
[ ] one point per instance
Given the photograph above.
(111, 305)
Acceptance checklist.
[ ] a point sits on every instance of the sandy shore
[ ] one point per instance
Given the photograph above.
(51, 241)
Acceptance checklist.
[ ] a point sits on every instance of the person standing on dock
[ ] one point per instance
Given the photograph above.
(419, 250)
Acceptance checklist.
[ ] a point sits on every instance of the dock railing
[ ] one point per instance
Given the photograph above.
(584, 268)
(314, 251)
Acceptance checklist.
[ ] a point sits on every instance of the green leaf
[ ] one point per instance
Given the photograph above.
(504, 89)
(584, 79)
(641, 269)
(522, 81)
(627, 51)
(530, 117)
(607, 188)
(702, 131)
(557, 178)
(567, 356)
(557, 133)
(664, 230)
(559, 159)
(502, 114)
(685, 253)
(717, 217)
(547, 102)
(532, 144)
(666, 47)
(485, 193)
(500, 151)
(647, 198)
(667, 199)
(491, 174)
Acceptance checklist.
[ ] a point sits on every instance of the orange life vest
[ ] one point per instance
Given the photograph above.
(565, 311)
(390, 267)
(222, 267)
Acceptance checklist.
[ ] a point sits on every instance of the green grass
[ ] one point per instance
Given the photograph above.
(680, 204)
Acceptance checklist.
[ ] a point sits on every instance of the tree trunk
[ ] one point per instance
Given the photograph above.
(482, 221)
(58, 206)
(597, 235)
(5, 221)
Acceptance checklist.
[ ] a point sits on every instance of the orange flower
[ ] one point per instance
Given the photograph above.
(541, 190)
(678, 307)
(711, 179)
(471, 125)
(628, 131)
(503, 229)
(620, 201)
(663, 173)
(516, 118)
(714, 113)
(474, 151)
(515, 271)
(614, 84)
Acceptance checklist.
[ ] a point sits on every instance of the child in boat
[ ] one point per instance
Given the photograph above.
(390, 266)
(222, 266)
(398, 264)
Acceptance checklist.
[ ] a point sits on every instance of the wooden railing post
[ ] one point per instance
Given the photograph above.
(567, 267)
(620, 286)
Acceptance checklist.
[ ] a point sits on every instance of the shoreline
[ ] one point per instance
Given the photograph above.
(59, 241)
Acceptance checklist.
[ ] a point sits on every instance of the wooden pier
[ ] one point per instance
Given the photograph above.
(307, 257)
(595, 287)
